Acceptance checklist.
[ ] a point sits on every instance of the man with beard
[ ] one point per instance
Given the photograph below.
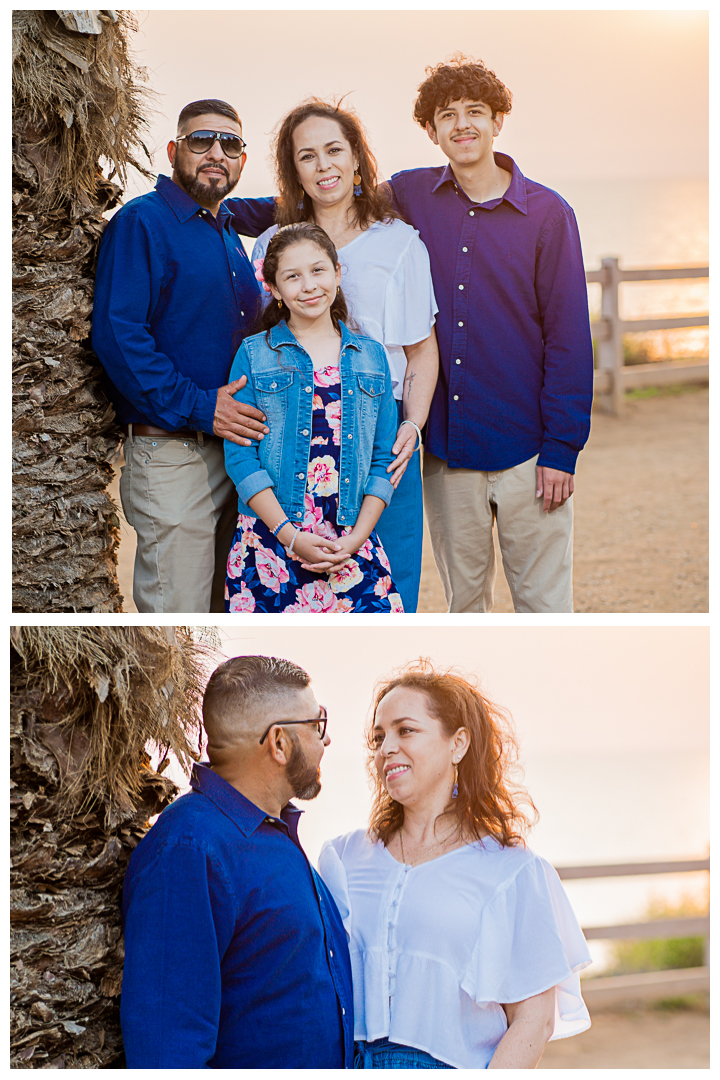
(235, 953)
(175, 294)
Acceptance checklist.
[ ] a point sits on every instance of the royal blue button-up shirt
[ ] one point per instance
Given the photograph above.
(516, 363)
(175, 294)
(235, 953)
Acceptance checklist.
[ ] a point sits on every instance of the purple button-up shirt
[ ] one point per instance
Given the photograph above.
(516, 362)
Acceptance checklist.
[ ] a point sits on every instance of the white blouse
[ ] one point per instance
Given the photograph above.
(388, 287)
(437, 948)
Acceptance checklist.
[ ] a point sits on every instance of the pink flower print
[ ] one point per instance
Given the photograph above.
(272, 570)
(319, 441)
(383, 586)
(317, 402)
(396, 604)
(346, 577)
(243, 601)
(236, 560)
(315, 596)
(313, 514)
(325, 528)
(322, 476)
(258, 264)
(382, 557)
(365, 552)
(327, 376)
(333, 415)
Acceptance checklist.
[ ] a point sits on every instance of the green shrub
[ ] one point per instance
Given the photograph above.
(660, 954)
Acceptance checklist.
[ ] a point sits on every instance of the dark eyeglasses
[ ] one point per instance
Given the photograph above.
(320, 723)
(199, 142)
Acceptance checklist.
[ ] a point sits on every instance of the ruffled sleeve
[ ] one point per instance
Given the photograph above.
(332, 872)
(529, 941)
(410, 306)
(261, 244)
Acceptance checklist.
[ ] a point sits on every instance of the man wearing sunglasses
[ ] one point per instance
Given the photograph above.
(235, 953)
(175, 294)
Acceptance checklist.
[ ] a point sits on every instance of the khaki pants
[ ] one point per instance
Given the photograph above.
(462, 506)
(182, 504)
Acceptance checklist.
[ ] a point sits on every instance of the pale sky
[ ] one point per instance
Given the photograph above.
(597, 94)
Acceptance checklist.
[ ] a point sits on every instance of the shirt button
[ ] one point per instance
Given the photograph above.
(461, 287)
(458, 361)
(343, 1012)
(301, 476)
(472, 213)
(349, 391)
(349, 436)
(461, 324)
(332, 953)
(233, 273)
(305, 431)
(308, 389)
(456, 398)
(464, 249)
(299, 514)
(347, 479)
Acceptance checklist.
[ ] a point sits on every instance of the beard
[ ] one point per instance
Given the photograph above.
(304, 778)
(201, 190)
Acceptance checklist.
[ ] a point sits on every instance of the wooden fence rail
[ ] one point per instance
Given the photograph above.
(612, 378)
(616, 989)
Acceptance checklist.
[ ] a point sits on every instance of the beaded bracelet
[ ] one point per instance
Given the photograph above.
(417, 429)
(276, 530)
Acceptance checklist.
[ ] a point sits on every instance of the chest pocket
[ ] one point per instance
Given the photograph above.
(374, 385)
(272, 383)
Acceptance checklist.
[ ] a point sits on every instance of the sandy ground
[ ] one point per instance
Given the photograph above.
(636, 1039)
(641, 515)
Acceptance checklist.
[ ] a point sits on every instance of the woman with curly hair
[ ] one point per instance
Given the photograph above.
(465, 950)
(326, 174)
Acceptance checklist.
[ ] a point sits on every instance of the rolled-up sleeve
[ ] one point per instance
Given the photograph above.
(130, 279)
(377, 482)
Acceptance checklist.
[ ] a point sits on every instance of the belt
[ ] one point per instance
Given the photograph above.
(160, 433)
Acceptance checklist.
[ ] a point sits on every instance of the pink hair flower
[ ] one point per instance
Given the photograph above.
(258, 264)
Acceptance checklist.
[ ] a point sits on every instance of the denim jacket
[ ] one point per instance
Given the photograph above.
(280, 383)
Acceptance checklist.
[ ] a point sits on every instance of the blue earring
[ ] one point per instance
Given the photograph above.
(301, 204)
(357, 190)
(455, 785)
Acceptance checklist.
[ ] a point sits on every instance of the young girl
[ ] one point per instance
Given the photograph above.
(311, 492)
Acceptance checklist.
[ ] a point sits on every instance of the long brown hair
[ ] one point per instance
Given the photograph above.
(284, 238)
(292, 202)
(489, 801)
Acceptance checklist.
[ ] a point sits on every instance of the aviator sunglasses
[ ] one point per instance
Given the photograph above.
(199, 142)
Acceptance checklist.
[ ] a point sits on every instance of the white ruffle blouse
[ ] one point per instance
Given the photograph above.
(388, 287)
(436, 948)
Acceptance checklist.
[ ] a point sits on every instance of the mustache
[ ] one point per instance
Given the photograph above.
(205, 168)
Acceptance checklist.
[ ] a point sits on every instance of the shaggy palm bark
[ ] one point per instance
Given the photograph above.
(76, 103)
(85, 703)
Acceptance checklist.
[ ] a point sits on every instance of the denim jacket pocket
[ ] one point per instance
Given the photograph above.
(272, 382)
(374, 385)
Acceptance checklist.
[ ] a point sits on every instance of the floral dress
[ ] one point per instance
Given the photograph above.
(261, 577)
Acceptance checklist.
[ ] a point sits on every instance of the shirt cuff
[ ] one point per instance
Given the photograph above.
(557, 455)
(253, 483)
(203, 415)
(379, 486)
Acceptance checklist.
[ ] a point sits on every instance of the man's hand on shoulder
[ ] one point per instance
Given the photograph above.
(554, 486)
(236, 421)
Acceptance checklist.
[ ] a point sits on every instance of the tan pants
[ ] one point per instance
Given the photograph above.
(182, 504)
(462, 506)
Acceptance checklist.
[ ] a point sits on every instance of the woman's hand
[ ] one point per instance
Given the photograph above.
(403, 448)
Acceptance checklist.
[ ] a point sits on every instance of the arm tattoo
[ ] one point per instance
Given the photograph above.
(408, 381)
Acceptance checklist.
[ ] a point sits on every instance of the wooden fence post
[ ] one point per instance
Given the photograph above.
(610, 347)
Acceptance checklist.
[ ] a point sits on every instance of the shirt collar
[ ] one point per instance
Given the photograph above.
(183, 205)
(243, 813)
(282, 335)
(516, 194)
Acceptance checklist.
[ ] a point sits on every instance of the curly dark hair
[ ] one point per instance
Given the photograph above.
(460, 78)
(488, 800)
(284, 238)
(373, 205)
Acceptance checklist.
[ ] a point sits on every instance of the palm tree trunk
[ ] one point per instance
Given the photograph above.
(77, 102)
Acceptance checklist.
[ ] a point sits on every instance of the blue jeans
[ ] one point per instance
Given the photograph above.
(383, 1054)
(401, 530)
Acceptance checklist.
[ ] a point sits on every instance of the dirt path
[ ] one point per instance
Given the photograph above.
(641, 516)
(641, 513)
(637, 1039)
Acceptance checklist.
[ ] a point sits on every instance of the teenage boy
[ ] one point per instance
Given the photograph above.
(512, 406)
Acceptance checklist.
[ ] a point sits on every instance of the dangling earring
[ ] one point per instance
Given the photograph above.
(455, 785)
(357, 190)
(301, 204)
(280, 304)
